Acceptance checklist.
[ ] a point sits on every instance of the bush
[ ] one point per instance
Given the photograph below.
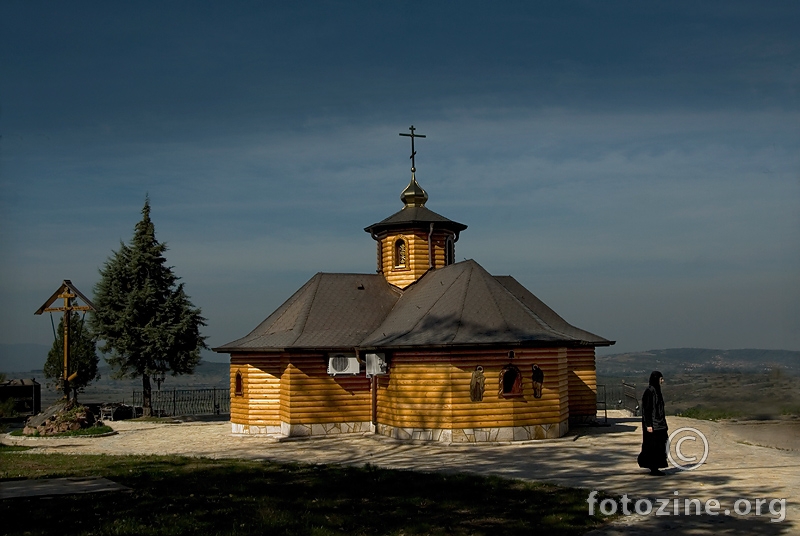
(7, 408)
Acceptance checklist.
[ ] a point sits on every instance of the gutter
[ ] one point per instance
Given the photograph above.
(430, 247)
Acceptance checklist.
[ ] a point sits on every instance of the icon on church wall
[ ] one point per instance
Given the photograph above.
(538, 381)
(477, 384)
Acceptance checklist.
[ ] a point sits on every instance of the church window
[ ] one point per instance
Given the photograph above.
(400, 253)
(510, 381)
(239, 388)
(449, 251)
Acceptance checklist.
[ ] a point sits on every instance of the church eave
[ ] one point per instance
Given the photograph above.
(415, 217)
(285, 350)
(494, 344)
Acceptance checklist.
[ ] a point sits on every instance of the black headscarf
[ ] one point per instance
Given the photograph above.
(655, 381)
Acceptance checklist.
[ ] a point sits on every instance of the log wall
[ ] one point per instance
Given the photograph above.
(582, 383)
(423, 391)
(432, 390)
(261, 383)
(310, 396)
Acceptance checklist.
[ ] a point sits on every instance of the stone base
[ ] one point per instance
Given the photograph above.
(476, 435)
(249, 429)
(324, 429)
(303, 430)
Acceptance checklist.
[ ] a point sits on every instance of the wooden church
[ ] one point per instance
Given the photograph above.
(427, 348)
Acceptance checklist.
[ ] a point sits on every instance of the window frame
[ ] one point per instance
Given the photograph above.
(516, 387)
(395, 250)
(449, 251)
(238, 384)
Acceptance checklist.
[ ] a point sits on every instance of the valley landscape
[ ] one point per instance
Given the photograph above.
(709, 383)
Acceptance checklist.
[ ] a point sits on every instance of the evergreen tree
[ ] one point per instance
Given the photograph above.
(142, 313)
(83, 357)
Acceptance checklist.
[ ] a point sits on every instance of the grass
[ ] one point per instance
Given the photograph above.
(791, 410)
(176, 495)
(709, 414)
(91, 431)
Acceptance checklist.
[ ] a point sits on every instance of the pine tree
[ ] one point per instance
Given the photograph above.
(142, 313)
(83, 357)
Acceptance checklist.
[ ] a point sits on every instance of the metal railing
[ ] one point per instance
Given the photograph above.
(618, 396)
(602, 403)
(629, 399)
(187, 401)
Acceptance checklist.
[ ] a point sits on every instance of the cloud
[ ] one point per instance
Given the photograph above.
(607, 154)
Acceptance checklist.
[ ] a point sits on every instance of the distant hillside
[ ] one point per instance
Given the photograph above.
(23, 358)
(701, 381)
(678, 360)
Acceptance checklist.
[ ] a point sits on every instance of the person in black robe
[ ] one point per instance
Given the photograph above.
(654, 427)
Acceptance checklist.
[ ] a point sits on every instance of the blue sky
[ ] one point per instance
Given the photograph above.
(635, 165)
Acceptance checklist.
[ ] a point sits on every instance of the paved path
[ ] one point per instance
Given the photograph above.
(601, 458)
(57, 486)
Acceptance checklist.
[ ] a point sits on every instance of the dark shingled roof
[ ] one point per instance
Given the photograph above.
(459, 305)
(330, 311)
(462, 304)
(415, 215)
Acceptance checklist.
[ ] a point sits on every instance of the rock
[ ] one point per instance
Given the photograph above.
(61, 417)
(50, 413)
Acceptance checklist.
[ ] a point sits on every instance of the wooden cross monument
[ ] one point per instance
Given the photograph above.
(68, 293)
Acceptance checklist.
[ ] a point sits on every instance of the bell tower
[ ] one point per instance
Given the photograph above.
(415, 239)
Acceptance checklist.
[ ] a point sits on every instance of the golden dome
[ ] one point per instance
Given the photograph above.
(414, 195)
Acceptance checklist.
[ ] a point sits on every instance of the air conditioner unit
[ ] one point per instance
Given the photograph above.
(343, 364)
(376, 364)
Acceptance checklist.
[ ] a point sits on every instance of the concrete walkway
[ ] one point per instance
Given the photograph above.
(596, 458)
(57, 486)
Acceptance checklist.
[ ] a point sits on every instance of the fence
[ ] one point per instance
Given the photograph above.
(188, 401)
(629, 399)
(620, 396)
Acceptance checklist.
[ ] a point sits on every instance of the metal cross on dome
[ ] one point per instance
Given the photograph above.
(413, 152)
